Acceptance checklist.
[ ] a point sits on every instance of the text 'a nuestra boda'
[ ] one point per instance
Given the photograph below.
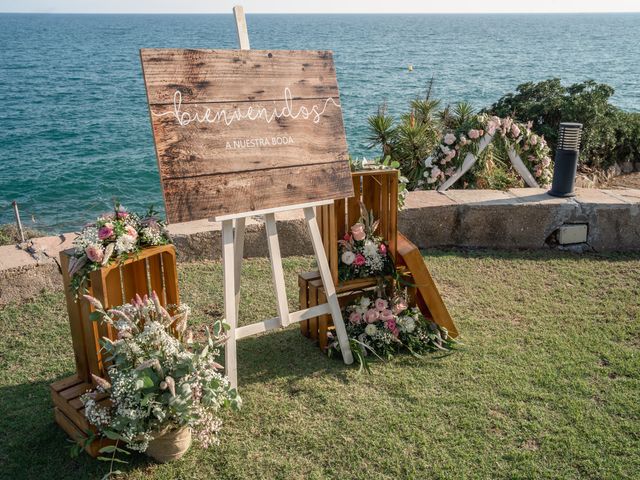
(259, 142)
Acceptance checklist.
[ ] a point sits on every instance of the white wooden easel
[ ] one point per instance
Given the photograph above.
(470, 159)
(233, 229)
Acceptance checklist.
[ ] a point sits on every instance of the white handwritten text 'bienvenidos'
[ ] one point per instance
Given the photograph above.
(251, 113)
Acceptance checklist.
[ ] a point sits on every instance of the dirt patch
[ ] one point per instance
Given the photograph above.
(628, 180)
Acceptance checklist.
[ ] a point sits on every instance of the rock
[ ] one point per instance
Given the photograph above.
(627, 167)
(637, 166)
(614, 170)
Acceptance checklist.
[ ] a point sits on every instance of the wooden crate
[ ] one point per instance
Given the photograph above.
(378, 191)
(312, 294)
(153, 269)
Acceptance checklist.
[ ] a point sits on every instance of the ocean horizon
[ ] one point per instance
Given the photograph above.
(75, 124)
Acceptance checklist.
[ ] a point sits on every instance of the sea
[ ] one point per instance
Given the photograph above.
(74, 125)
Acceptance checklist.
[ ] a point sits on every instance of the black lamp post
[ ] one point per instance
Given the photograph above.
(566, 161)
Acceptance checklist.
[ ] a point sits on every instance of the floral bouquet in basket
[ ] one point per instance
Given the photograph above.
(162, 387)
(113, 236)
(385, 326)
(362, 254)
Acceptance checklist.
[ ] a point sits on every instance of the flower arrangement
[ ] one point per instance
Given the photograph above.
(359, 164)
(113, 236)
(160, 380)
(361, 253)
(383, 327)
(450, 153)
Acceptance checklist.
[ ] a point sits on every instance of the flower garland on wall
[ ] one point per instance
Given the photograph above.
(455, 145)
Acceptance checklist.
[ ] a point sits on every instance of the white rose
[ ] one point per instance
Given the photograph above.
(449, 138)
(348, 257)
(370, 249)
(365, 302)
(370, 329)
(409, 324)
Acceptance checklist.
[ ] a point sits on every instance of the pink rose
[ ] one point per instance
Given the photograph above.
(399, 307)
(381, 304)
(391, 325)
(357, 231)
(515, 131)
(534, 139)
(371, 316)
(386, 315)
(122, 213)
(131, 231)
(449, 138)
(473, 134)
(95, 253)
(106, 231)
(359, 260)
(347, 237)
(382, 248)
(355, 318)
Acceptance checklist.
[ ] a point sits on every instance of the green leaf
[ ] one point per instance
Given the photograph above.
(95, 316)
(107, 459)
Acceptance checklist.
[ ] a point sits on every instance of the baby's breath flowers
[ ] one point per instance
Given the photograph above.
(158, 382)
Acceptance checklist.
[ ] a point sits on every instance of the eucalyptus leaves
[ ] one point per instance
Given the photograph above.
(159, 380)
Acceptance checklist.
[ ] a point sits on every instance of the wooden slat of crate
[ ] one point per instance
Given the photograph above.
(303, 283)
(409, 255)
(78, 337)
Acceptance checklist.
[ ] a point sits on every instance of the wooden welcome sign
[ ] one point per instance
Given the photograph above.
(241, 130)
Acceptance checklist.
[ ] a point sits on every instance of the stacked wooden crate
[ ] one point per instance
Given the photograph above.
(152, 270)
(377, 190)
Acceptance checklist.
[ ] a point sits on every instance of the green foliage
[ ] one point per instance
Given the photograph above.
(411, 140)
(609, 134)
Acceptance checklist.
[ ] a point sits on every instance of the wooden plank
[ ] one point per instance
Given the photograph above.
(327, 281)
(341, 218)
(303, 299)
(241, 27)
(237, 75)
(75, 391)
(65, 383)
(314, 285)
(332, 247)
(78, 435)
(228, 262)
(277, 273)
(78, 338)
(73, 414)
(393, 216)
(171, 277)
(156, 279)
(384, 229)
(202, 197)
(256, 127)
(100, 289)
(409, 255)
(323, 322)
(92, 338)
(205, 148)
(353, 203)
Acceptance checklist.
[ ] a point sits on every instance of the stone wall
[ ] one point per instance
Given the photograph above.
(523, 218)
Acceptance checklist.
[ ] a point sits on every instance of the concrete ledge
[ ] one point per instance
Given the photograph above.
(522, 218)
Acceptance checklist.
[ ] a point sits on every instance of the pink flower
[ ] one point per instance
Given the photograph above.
(106, 231)
(95, 253)
(131, 231)
(347, 237)
(534, 139)
(515, 131)
(357, 231)
(381, 304)
(399, 307)
(371, 316)
(391, 325)
(122, 213)
(473, 134)
(449, 138)
(386, 315)
(359, 260)
(382, 248)
(355, 318)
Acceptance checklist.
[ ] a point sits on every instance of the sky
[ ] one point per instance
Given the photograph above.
(318, 6)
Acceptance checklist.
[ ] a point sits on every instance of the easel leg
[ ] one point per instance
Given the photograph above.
(230, 311)
(238, 245)
(276, 268)
(327, 281)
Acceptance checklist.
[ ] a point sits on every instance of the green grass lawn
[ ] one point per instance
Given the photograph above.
(547, 384)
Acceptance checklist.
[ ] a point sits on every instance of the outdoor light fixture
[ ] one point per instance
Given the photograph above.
(566, 161)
